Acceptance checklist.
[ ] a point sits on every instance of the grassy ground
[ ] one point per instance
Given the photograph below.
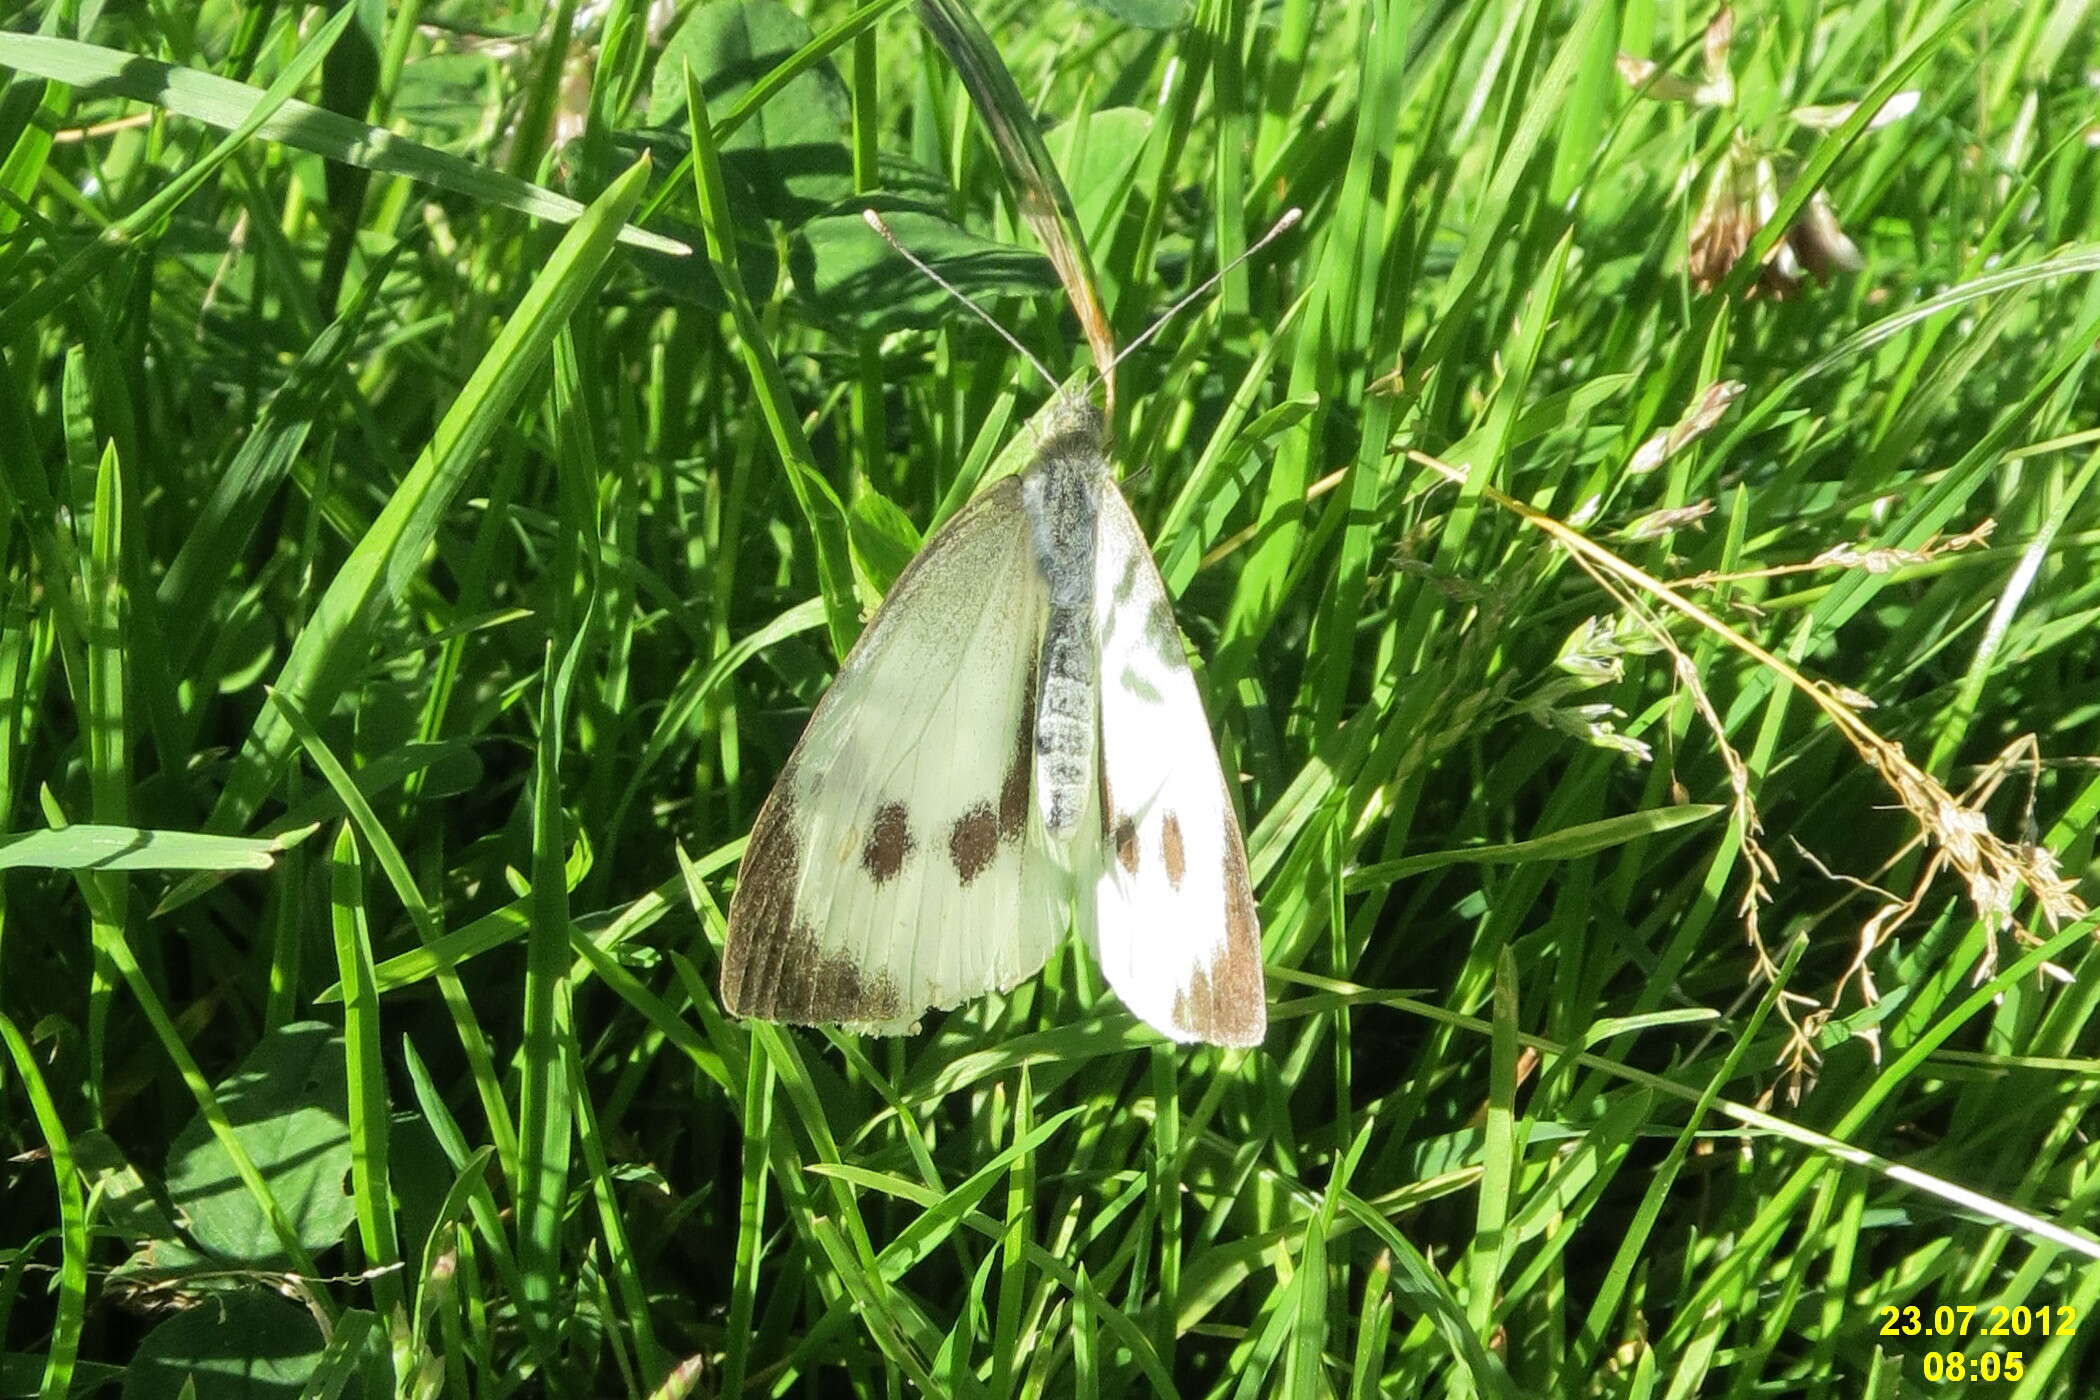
(1669, 825)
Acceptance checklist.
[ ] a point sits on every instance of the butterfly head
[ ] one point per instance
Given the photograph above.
(1072, 426)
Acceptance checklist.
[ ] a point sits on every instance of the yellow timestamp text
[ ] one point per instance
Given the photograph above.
(1964, 1320)
(1992, 1365)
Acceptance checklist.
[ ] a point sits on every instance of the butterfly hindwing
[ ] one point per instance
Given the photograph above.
(896, 865)
(1171, 912)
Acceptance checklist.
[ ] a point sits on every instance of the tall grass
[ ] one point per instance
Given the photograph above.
(442, 471)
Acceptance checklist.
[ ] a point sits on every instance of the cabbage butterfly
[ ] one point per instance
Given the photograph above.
(1017, 733)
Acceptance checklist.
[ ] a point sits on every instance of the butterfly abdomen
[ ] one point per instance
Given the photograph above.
(1065, 720)
(1061, 494)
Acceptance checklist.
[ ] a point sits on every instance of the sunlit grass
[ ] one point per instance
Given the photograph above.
(1664, 707)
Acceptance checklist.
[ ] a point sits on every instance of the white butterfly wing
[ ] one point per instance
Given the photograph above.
(1173, 921)
(896, 866)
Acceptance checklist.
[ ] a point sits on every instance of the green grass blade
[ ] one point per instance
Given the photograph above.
(97, 846)
(82, 65)
(474, 1040)
(370, 1112)
(64, 1349)
(331, 649)
(273, 115)
(821, 508)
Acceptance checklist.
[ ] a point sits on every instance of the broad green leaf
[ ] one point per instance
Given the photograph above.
(791, 153)
(287, 1103)
(123, 1201)
(253, 1346)
(854, 278)
(1098, 155)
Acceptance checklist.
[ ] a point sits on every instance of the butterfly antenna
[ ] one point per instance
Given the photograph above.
(875, 222)
(1290, 217)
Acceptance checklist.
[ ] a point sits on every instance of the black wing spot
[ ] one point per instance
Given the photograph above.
(889, 842)
(973, 841)
(1126, 845)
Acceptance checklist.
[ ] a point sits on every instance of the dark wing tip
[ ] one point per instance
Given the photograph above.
(796, 980)
(1224, 1007)
(1227, 1002)
(775, 966)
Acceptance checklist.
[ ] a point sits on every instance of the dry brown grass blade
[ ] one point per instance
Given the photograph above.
(1991, 868)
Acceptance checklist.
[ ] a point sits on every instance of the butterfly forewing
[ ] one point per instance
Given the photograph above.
(897, 865)
(1171, 913)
